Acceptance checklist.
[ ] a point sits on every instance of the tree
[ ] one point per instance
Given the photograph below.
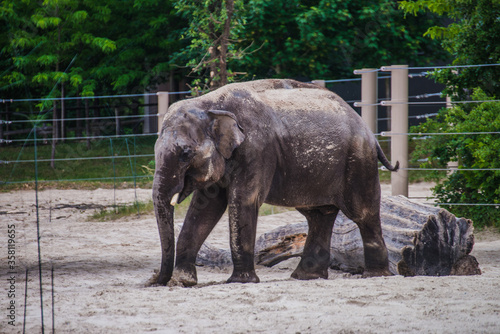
(80, 48)
(45, 53)
(472, 38)
(46, 41)
(147, 34)
(299, 38)
(329, 38)
(213, 28)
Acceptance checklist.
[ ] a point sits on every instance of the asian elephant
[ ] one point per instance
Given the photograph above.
(280, 142)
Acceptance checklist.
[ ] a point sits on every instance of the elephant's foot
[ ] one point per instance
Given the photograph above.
(162, 279)
(311, 268)
(184, 277)
(244, 277)
(301, 274)
(376, 273)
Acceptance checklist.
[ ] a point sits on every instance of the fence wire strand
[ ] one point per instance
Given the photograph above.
(77, 119)
(383, 102)
(86, 137)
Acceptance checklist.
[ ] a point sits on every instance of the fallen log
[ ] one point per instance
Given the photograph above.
(421, 240)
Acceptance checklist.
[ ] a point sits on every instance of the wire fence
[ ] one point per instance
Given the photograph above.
(35, 126)
(74, 98)
(388, 68)
(78, 138)
(127, 149)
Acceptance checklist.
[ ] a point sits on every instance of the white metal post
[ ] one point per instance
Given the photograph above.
(399, 126)
(162, 107)
(369, 92)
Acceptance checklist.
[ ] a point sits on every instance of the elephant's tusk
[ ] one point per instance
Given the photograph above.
(173, 202)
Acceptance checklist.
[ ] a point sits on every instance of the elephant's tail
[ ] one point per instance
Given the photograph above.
(383, 159)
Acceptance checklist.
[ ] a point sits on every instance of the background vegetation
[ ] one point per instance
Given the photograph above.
(129, 46)
(60, 48)
(472, 38)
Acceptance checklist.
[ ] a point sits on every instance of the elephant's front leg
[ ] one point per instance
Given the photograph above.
(203, 214)
(243, 227)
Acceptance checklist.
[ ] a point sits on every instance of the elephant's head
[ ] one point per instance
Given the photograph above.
(190, 153)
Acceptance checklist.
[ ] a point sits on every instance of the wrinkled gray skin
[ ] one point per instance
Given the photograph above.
(275, 141)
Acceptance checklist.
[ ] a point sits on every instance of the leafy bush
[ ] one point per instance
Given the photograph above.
(472, 151)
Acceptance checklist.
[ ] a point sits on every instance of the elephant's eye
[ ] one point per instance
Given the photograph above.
(185, 155)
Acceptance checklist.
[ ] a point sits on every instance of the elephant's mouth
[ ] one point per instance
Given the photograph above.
(190, 185)
(187, 190)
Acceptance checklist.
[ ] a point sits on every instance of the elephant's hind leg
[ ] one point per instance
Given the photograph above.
(316, 255)
(367, 216)
(375, 250)
(362, 205)
(201, 218)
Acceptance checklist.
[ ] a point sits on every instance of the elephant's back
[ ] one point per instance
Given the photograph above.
(278, 96)
(288, 106)
(299, 102)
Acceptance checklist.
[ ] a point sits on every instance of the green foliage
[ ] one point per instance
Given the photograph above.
(121, 211)
(44, 39)
(147, 34)
(214, 28)
(473, 38)
(113, 47)
(145, 208)
(329, 38)
(439, 7)
(304, 38)
(473, 151)
(128, 46)
(267, 209)
(79, 168)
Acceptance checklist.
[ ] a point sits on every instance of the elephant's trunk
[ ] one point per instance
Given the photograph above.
(165, 218)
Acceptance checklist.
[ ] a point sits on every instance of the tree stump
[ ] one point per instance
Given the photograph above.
(420, 239)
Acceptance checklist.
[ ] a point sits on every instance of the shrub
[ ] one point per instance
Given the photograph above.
(472, 151)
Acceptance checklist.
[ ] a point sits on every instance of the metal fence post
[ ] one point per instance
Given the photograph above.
(399, 125)
(369, 92)
(162, 107)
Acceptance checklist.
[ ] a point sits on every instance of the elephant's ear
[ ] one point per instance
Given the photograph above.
(227, 132)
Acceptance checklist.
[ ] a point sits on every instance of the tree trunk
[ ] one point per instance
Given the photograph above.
(213, 50)
(218, 50)
(224, 42)
(421, 240)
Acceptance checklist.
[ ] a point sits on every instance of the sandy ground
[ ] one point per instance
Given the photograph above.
(101, 269)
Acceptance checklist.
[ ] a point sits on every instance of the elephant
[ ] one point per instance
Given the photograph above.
(281, 142)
